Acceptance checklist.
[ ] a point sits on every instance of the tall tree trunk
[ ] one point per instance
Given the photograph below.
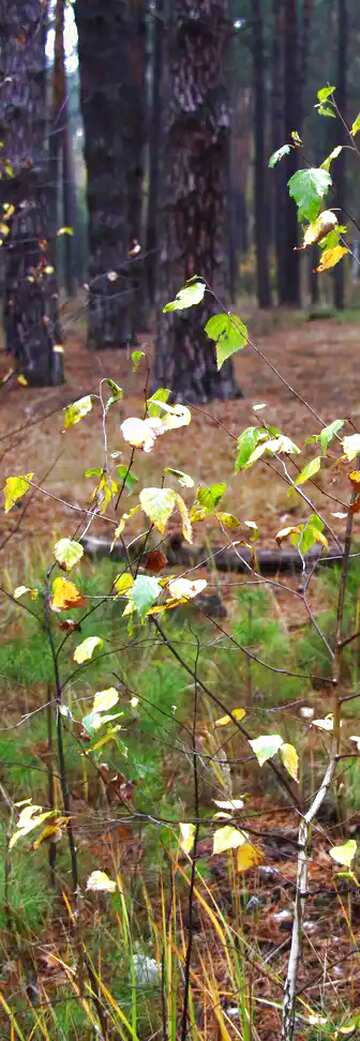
(194, 230)
(103, 61)
(292, 113)
(31, 299)
(155, 131)
(277, 140)
(134, 145)
(339, 168)
(61, 169)
(261, 199)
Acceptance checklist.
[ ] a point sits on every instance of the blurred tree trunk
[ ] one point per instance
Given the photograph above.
(194, 223)
(292, 117)
(61, 166)
(340, 136)
(31, 300)
(155, 129)
(261, 180)
(103, 62)
(134, 146)
(277, 140)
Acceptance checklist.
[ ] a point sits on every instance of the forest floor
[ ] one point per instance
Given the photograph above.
(319, 358)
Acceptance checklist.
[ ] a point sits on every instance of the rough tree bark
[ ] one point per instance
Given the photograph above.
(260, 171)
(292, 113)
(277, 140)
(134, 148)
(155, 137)
(103, 61)
(61, 166)
(194, 221)
(31, 299)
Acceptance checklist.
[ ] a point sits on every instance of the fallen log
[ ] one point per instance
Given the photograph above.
(179, 554)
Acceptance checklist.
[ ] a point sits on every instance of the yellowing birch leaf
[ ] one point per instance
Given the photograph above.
(228, 838)
(15, 488)
(344, 854)
(75, 412)
(105, 700)
(65, 595)
(187, 833)
(99, 882)
(68, 553)
(248, 856)
(290, 760)
(85, 650)
(158, 504)
(237, 713)
(331, 257)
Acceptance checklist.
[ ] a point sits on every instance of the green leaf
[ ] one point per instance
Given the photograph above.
(116, 393)
(326, 110)
(229, 333)
(184, 479)
(344, 854)
(308, 188)
(158, 504)
(247, 443)
(85, 650)
(75, 412)
(330, 158)
(324, 93)
(276, 157)
(311, 532)
(355, 126)
(68, 553)
(191, 294)
(127, 477)
(328, 433)
(227, 838)
(210, 497)
(161, 394)
(144, 593)
(15, 488)
(136, 358)
(309, 470)
(266, 746)
(276, 446)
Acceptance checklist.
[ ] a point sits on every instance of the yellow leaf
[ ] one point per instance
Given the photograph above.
(228, 838)
(14, 489)
(187, 833)
(290, 760)
(237, 713)
(331, 257)
(248, 856)
(67, 230)
(76, 411)
(65, 595)
(185, 519)
(344, 854)
(105, 699)
(85, 650)
(22, 380)
(123, 583)
(158, 504)
(325, 222)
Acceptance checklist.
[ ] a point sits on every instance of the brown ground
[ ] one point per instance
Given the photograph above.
(320, 359)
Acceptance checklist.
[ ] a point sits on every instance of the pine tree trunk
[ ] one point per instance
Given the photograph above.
(261, 199)
(31, 300)
(194, 220)
(339, 168)
(103, 61)
(292, 113)
(155, 133)
(277, 140)
(61, 167)
(134, 130)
